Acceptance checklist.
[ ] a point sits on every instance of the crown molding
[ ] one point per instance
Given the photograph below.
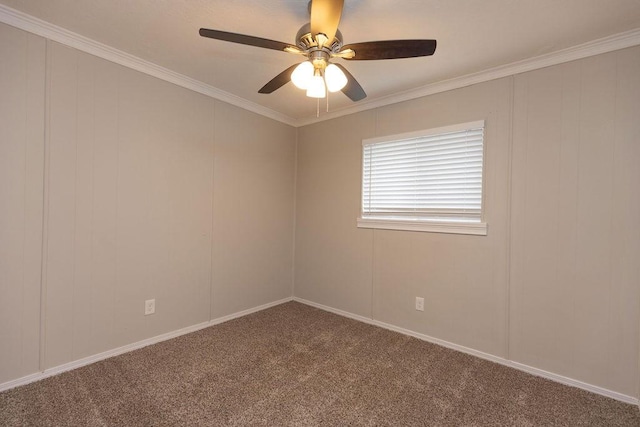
(595, 47)
(58, 34)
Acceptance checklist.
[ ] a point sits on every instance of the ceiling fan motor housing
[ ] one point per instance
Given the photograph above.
(307, 42)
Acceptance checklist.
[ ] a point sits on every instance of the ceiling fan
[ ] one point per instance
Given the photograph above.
(320, 41)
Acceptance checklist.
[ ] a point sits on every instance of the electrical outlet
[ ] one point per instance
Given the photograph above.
(419, 304)
(149, 307)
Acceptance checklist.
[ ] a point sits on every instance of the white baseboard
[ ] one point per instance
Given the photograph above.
(134, 346)
(510, 363)
(169, 335)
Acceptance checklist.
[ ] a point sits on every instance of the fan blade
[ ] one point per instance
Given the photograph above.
(391, 49)
(278, 81)
(325, 17)
(353, 89)
(248, 40)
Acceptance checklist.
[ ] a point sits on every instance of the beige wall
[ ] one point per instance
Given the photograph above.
(22, 71)
(253, 211)
(333, 257)
(555, 283)
(150, 191)
(575, 277)
(378, 273)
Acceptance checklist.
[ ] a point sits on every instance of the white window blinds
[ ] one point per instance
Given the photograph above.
(430, 175)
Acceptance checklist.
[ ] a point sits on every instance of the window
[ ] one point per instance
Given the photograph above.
(425, 181)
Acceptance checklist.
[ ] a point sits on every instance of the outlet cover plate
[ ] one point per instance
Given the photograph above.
(149, 307)
(419, 304)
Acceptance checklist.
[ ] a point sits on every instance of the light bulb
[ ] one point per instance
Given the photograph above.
(316, 87)
(335, 78)
(302, 75)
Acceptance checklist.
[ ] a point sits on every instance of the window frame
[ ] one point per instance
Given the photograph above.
(422, 224)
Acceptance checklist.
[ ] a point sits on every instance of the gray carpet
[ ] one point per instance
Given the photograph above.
(295, 365)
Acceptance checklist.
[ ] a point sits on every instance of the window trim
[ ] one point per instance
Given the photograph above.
(423, 224)
(448, 227)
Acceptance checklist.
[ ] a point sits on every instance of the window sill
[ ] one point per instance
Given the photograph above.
(473, 228)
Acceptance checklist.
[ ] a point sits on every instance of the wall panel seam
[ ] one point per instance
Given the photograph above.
(75, 209)
(511, 118)
(214, 162)
(45, 204)
(295, 213)
(611, 352)
(117, 207)
(25, 193)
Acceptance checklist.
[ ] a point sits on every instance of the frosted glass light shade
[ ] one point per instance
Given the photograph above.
(316, 87)
(302, 74)
(335, 78)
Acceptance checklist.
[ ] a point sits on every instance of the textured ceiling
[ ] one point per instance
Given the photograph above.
(472, 35)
